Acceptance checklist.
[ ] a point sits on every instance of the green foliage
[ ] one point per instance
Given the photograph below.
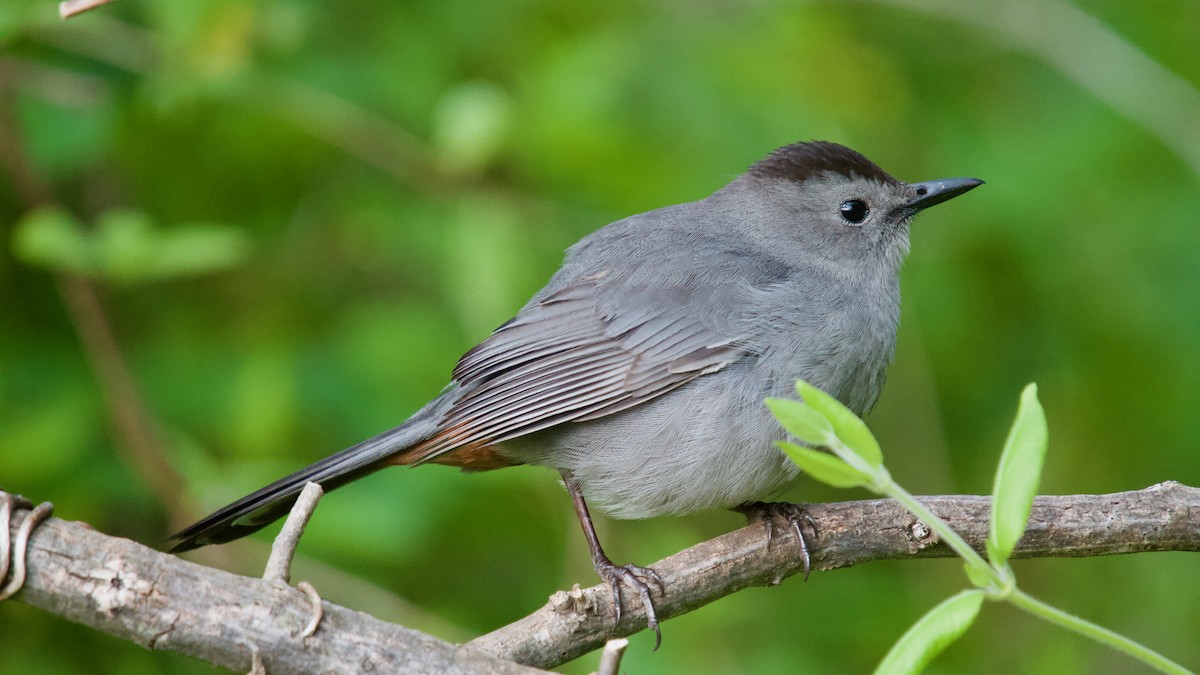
(823, 466)
(51, 237)
(1015, 486)
(932, 633)
(810, 426)
(846, 425)
(1017, 477)
(804, 422)
(471, 125)
(125, 247)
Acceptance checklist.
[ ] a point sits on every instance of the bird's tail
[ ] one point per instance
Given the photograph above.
(263, 507)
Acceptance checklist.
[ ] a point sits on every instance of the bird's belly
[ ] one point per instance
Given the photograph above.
(708, 444)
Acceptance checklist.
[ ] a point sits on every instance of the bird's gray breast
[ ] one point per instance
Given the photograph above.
(834, 329)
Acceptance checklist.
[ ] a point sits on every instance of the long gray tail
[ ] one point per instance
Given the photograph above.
(263, 507)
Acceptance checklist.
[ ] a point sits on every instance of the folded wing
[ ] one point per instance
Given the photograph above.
(572, 357)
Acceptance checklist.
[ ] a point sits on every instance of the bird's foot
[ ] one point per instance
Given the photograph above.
(635, 578)
(794, 515)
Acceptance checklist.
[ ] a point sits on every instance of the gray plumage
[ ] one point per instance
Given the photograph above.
(755, 297)
(641, 368)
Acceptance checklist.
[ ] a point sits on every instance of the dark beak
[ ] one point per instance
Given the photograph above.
(934, 192)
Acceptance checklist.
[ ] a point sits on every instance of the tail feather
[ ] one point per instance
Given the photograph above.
(263, 507)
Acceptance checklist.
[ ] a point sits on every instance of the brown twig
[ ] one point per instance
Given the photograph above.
(610, 658)
(283, 550)
(279, 563)
(9, 505)
(135, 427)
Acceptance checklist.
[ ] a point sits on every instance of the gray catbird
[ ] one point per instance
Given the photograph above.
(639, 371)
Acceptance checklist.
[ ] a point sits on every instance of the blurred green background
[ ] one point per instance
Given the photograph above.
(295, 216)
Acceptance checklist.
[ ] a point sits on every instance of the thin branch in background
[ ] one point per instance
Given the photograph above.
(70, 8)
(31, 187)
(1094, 56)
(348, 126)
(137, 431)
(368, 136)
(135, 427)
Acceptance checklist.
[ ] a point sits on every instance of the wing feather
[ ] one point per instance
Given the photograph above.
(571, 357)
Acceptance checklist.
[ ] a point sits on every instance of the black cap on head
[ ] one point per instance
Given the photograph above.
(800, 161)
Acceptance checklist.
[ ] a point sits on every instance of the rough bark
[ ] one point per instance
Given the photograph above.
(162, 602)
(1164, 517)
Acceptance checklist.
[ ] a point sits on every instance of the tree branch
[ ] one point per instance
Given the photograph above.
(162, 602)
(1164, 517)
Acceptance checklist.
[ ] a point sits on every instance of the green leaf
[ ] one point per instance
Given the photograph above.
(1017, 477)
(198, 248)
(932, 633)
(801, 421)
(848, 427)
(823, 466)
(125, 245)
(50, 237)
(130, 249)
(980, 575)
(470, 126)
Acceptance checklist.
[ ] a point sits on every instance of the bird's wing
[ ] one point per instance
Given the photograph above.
(583, 352)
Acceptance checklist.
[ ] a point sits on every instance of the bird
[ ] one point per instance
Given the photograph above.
(639, 371)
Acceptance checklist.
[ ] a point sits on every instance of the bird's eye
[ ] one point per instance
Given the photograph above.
(854, 210)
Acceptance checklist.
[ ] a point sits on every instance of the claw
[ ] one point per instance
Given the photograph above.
(638, 579)
(794, 514)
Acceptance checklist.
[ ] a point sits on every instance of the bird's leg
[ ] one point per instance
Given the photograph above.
(632, 576)
(793, 514)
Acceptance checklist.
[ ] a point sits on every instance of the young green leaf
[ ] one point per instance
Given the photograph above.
(197, 248)
(1017, 477)
(932, 633)
(801, 421)
(126, 244)
(823, 466)
(50, 237)
(980, 574)
(848, 427)
(131, 249)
